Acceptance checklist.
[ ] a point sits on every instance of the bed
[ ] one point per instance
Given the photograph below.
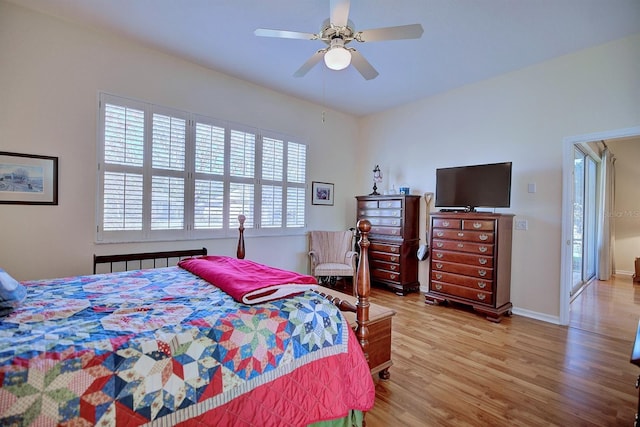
(162, 346)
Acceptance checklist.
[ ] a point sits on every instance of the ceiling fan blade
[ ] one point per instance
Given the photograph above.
(263, 32)
(413, 31)
(311, 62)
(362, 65)
(339, 12)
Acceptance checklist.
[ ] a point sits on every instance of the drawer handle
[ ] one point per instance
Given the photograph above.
(460, 234)
(482, 273)
(438, 265)
(393, 267)
(393, 276)
(482, 285)
(395, 231)
(386, 204)
(440, 234)
(481, 297)
(396, 213)
(439, 244)
(394, 222)
(461, 245)
(439, 254)
(482, 261)
(482, 249)
(438, 276)
(394, 250)
(477, 225)
(394, 258)
(445, 223)
(439, 287)
(483, 237)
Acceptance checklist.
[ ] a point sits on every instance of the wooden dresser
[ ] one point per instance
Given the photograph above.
(394, 239)
(471, 261)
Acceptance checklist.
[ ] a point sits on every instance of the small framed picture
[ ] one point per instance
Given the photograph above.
(321, 193)
(27, 179)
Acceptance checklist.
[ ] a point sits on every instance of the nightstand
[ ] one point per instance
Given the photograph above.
(379, 334)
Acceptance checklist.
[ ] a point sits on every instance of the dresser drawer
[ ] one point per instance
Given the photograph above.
(460, 280)
(384, 247)
(447, 223)
(377, 273)
(476, 248)
(462, 258)
(394, 203)
(467, 270)
(384, 256)
(469, 236)
(372, 213)
(462, 292)
(393, 267)
(367, 204)
(387, 231)
(393, 222)
(475, 224)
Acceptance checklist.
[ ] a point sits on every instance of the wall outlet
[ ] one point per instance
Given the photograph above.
(521, 224)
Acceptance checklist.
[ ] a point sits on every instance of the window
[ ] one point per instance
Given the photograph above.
(167, 174)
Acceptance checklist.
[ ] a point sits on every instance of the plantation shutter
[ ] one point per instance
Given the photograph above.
(122, 191)
(272, 185)
(296, 184)
(242, 155)
(165, 174)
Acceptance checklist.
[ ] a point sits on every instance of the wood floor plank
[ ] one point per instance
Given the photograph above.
(452, 367)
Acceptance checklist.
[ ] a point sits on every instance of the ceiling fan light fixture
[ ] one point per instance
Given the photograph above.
(337, 57)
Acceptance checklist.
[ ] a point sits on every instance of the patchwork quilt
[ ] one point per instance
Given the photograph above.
(164, 347)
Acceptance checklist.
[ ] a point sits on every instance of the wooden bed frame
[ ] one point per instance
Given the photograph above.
(362, 287)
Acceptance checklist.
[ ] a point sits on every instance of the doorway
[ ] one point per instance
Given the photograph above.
(567, 248)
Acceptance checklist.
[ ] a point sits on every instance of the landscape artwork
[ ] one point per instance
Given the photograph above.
(28, 179)
(21, 178)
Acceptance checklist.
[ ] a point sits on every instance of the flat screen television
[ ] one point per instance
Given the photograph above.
(469, 187)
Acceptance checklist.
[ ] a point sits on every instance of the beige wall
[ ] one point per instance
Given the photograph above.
(50, 75)
(521, 117)
(626, 217)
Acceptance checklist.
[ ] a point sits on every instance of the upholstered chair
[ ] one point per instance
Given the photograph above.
(332, 256)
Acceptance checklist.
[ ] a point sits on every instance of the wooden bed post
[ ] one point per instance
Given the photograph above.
(363, 287)
(240, 250)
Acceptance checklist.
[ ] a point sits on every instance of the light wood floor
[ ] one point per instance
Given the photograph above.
(454, 368)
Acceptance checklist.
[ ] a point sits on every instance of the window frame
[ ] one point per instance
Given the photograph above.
(189, 230)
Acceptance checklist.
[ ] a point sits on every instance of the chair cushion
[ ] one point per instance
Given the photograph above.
(333, 269)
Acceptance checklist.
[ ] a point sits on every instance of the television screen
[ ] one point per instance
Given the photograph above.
(469, 187)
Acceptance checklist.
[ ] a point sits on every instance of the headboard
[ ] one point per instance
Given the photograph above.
(144, 256)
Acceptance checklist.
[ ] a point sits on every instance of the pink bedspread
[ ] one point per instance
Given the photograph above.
(247, 281)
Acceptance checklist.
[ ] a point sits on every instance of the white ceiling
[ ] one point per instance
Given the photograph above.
(464, 41)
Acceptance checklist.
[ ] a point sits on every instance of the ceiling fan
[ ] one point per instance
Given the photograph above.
(337, 32)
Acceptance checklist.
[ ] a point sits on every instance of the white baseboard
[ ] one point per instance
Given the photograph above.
(624, 273)
(536, 315)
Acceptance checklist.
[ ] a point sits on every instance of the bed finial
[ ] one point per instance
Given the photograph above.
(363, 287)
(240, 250)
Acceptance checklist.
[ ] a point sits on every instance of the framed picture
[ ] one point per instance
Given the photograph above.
(321, 193)
(27, 179)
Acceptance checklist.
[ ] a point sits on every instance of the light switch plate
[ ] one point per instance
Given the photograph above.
(521, 224)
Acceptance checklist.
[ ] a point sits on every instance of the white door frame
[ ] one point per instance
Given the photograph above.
(566, 256)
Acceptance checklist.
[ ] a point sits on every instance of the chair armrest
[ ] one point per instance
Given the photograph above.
(350, 258)
(313, 256)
